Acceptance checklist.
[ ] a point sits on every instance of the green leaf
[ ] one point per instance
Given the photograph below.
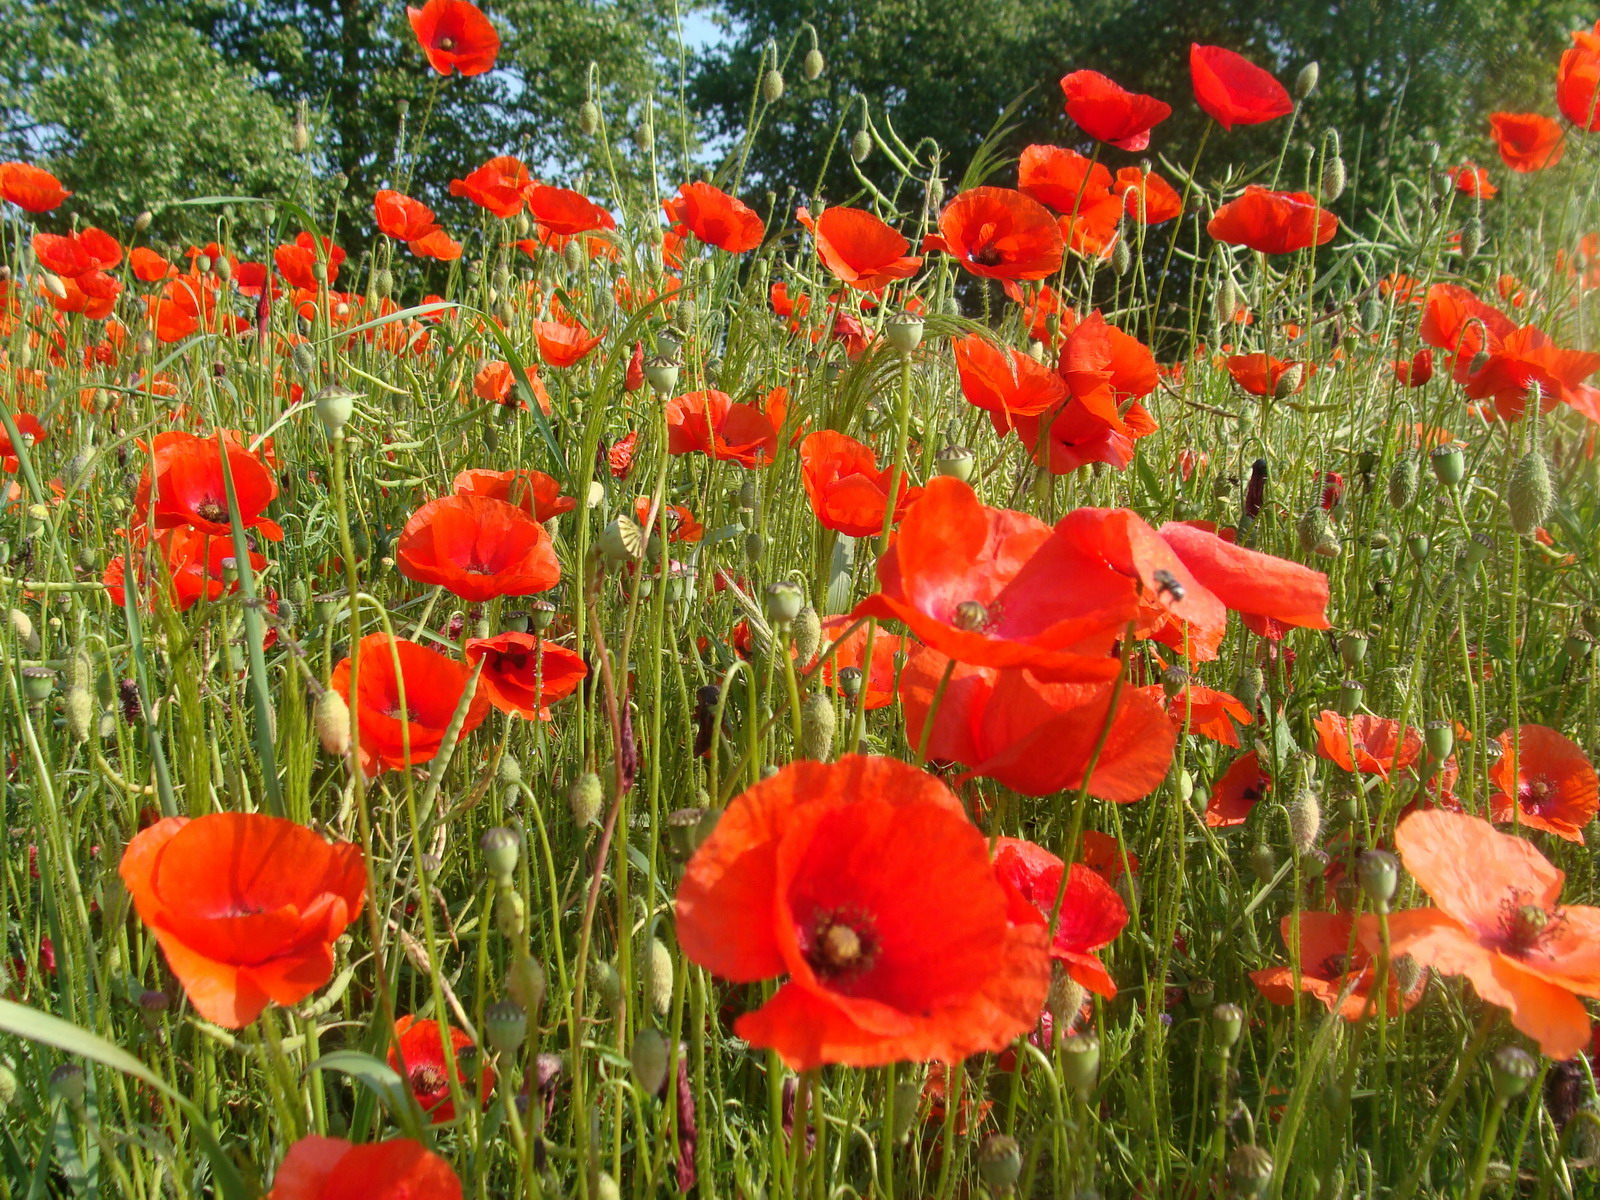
(376, 1074)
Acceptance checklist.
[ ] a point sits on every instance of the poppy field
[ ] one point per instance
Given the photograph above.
(1074, 679)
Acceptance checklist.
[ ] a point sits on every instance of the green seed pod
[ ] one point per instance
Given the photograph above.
(1000, 1162)
(1305, 821)
(903, 331)
(510, 914)
(812, 65)
(783, 603)
(1513, 1069)
(648, 1059)
(817, 722)
(807, 633)
(1440, 739)
(588, 118)
(501, 849)
(622, 541)
(1530, 495)
(526, 983)
(1449, 464)
(1353, 649)
(661, 373)
(1249, 1169)
(1417, 546)
(585, 797)
(772, 85)
(505, 1023)
(1378, 872)
(956, 461)
(1403, 482)
(860, 147)
(37, 684)
(1080, 1061)
(1348, 701)
(1227, 1023)
(658, 976)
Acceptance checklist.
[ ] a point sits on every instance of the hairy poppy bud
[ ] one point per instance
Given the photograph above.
(907, 1100)
(658, 976)
(588, 118)
(1403, 482)
(501, 848)
(607, 985)
(812, 65)
(300, 137)
(1225, 302)
(1471, 238)
(1331, 186)
(1263, 862)
(79, 709)
(510, 914)
(1305, 821)
(935, 193)
(67, 1081)
(23, 632)
(1312, 527)
(817, 724)
(772, 85)
(525, 981)
(584, 797)
(1449, 464)
(1000, 1162)
(860, 145)
(1249, 1169)
(1530, 495)
(647, 1058)
(8, 1087)
(304, 358)
(571, 256)
(1306, 81)
(1249, 686)
(506, 1025)
(1121, 256)
(807, 633)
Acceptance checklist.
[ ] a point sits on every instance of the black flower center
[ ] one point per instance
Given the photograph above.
(840, 947)
(212, 511)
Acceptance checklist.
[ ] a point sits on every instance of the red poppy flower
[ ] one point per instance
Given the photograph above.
(534, 492)
(1234, 91)
(993, 587)
(1415, 371)
(1092, 915)
(1527, 141)
(1005, 383)
(562, 344)
(297, 261)
(1104, 367)
(433, 686)
(877, 684)
(564, 211)
(709, 422)
(1108, 112)
(246, 907)
(193, 565)
(183, 485)
(1073, 437)
(1034, 737)
(676, 521)
(1499, 922)
(785, 306)
(1273, 222)
(500, 185)
(715, 217)
(1334, 967)
(1544, 781)
(455, 35)
(1203, 711)
(1577, 80)
(1235, 793)
(524, 675)
(859, 248)
(495, 382)
(1259, 374)
(31, 188)
(478, 548)
(866, 885)
(847, 489)
(999, 234)
(412, 222)
(1107, 858)
(29, 429)
(1146, 196)
(1472, 180)
(324, 1168)
(148, 265)
(1378, 746)
(619, 458)
(1078, 189)
(418, 1053)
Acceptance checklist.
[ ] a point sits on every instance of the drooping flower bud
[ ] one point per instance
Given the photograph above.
(584, 798)
(860, 145)
(817, 723)
(1305, 821)
(1530, 495)
(588, 118)
(807, 634)
(812, 65)
(772, 85)
(1378, 872)
(648, 1059)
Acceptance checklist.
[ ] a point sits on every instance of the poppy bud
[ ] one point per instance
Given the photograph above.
(607, 985)
(812, 65)
(300, 136)
(1080, 1061)
(1378, 872)
(1249, 1169)
(817, 723)
(1249, 686)
(1121, 256)
(658, 976)
(8, 1087)
(510, 914)
(54, 284)
(525, 982)
(1225, 302)
(1306, 81)
(772, 85)
(37, 684)
(1331, 186)
(903, 331)
(1305, 821)
(584, 797)
(1227, 1023)
(1263, 862)
(304, 358)
(907, 1100)
(1479, 363)
(588, 118)
(1530, 495)
(79, 709)
(860, 145)
(807, 634)
(1403, 482)
(1440, 738)
(67, 1081)
(505, 1023)
(648, 1059)
(955, 461)
(784, 601)
(1512, 1069)
(501, 848)
(754, 547)
(1449, 464)
(1255, 494)
(1312, 527)
(622, 541)
(935, 193)
(1471, 238)
(1407, 973)
(1000, 1162)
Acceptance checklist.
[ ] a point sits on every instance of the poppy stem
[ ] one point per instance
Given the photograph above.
(1447, 1102)
(933, 711)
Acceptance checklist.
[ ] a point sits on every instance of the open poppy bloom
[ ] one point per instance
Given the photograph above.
(1077, 188)
(534, 492)
(455, 35)
(1092, 914)
(1203, 711)
(566, 212)
(524, 675)
(82, 259)
(562, 343)
(1577, 80)
(859, 248)
(192, 565)
(1034, 737)
(1415, 371)
(1378, 746)
(1527, 141)
(878, 682)
(865, 884)
(1472, 180)
(675, 522)
(847, 489)
(418, 1054)
(297, 261)
(1108, 112)
(412, 222)
(183, 485)
(1146, 196)
(1236, 792)
(1544, 781)
(29, 429)
(1336, 968)
(710, 423)
(1259, 374)
(325, 1168)
(1270, 594)
(1232, 90)
(993, 587)
(1273, 222)
(187, 305)
(495, 382)
(500, 185)
(433, 686)
(1004, 382)
(1499, 922)
(715, 217)
(999, 234)
(31, 188)
(1074, 437)
(477, 547)
(246, 907)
